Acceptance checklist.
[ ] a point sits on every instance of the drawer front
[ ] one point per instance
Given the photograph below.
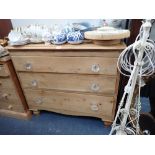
(70, 53)
(12, 107)
(84, 65)
(90, 105)
(69, 82)
(4, 72)
(6, 83)
(10, 101)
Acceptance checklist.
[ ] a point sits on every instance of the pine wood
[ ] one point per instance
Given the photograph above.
(87, 46)
(15, 114)
(6, 83)
(3, 70)
(114, 110)
(64, 76)
(36, 112)
(82, 65)
(17, 85)
(80, 103)
(69, 82)
(107, 123)
(12, 100)
(69, 53)
(8, 96)
(106, 42)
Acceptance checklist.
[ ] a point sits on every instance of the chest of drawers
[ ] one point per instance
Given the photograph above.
(12, 100)
(77, 80)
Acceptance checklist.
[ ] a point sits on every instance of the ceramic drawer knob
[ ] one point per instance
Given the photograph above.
(4, 96)
(34, 83)
(94, 107)
(28, 66)
(38, 100)
(10, 107)
(95, 87)
(95, 68)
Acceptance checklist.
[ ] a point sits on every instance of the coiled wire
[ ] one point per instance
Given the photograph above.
(126, 62)
(126, 59)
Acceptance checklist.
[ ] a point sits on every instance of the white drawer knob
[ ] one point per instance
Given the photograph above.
(28, 66)
(95, 87)
(4, 96)
(95, 68)
(94, 107)
(38, 100)
(34, 83)
(10, 107)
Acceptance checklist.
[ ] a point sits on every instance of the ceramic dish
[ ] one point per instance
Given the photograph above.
(59, 38)
(58, 43)
(19, 43)
(107, 35)
(75, 42)
(106, 28)
(75, 37)
(36, 40)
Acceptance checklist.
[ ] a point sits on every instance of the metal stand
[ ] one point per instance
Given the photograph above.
(129, 115)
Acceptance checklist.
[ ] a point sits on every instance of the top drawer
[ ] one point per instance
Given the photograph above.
(83, 65)
(4, 72)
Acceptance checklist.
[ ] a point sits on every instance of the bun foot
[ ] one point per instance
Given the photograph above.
(36, 112)
(107, 124)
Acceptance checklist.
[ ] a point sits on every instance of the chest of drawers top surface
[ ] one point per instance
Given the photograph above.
(85, 46)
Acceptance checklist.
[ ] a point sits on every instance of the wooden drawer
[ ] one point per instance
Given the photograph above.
(4, 72)
(6, 83)
(11, 107)
(80, 104)
(10, 101)
(83, 65)
(69, 82)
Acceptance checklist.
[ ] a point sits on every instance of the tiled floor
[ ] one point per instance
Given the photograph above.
(56, 124)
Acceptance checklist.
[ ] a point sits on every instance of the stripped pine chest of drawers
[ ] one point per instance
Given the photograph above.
(77, 80)
(12, 100)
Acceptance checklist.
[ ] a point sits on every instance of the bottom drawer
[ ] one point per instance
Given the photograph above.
(11, 107)
(70, 103)
(10, 101)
